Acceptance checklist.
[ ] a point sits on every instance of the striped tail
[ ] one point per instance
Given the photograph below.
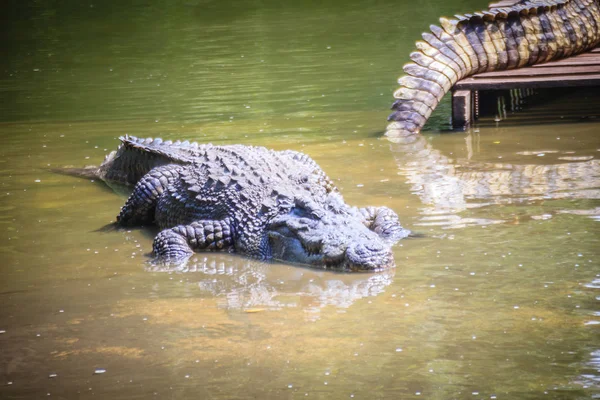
(530, 32)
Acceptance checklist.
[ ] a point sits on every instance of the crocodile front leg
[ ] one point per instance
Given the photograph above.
(176, 245)
(384, 222)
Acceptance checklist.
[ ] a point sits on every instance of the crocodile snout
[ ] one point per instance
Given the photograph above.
(371, 256)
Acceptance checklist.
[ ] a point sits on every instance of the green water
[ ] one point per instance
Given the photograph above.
(498, 299)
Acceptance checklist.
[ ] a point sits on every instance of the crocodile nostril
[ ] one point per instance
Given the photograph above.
(376, 247)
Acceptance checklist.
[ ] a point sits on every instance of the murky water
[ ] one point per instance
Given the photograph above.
(499, 299)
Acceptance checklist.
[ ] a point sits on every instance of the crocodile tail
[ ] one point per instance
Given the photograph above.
(527, 33)
(89, 172)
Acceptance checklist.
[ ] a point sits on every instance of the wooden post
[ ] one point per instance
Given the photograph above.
(462, 109)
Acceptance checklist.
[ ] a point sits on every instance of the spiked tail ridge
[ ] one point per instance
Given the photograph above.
(135, 157)
(530, 32)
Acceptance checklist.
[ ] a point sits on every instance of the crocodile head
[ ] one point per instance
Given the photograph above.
(328, 236)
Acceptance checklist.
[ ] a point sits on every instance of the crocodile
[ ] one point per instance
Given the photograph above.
(527, 33)
(254, 201)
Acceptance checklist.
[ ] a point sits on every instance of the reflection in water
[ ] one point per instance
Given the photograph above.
(447, 186)
(591, 377)
(252, 284)
(595, 284)
(593, 213)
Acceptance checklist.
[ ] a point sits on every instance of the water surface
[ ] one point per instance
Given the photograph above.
(499, 298)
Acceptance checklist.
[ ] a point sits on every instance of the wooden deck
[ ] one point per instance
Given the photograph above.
(581, 70)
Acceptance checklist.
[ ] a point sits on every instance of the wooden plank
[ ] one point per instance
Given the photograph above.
(563, 70)
(462, 107)
(528, 82)
(580, 70)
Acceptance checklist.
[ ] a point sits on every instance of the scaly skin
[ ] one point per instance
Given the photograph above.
(530, 32)
(250, 200)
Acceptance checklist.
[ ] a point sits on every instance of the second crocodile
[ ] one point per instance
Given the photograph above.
(527, 33)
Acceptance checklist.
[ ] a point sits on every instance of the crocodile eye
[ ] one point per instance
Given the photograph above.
(302, 212)
(317, 214)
